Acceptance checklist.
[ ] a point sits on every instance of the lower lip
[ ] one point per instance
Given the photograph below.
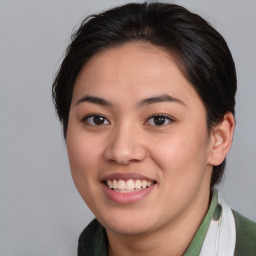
(126, 198)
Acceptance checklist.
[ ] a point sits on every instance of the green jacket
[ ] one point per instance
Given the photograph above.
(93, 240)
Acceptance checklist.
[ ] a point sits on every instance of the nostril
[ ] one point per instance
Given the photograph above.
(124, 148)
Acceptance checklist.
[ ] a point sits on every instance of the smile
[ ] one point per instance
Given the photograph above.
(128, 186)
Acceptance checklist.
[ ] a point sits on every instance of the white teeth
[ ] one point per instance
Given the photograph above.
(129, 185)
(115, 186)
(138, 184)
(121, 184)
(144, 183)
(109, 184)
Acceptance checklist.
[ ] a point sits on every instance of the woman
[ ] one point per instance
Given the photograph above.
(146, 96)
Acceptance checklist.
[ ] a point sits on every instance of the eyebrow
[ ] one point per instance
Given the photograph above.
(147, 101)
(160, 98)
(94, 100)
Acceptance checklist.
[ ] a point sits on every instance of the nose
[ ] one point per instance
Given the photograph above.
(125, 146)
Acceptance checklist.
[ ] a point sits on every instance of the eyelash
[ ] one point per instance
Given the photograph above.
(87, 118)
(104, 119)
(164, 116)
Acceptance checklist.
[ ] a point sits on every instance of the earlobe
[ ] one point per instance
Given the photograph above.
(221, 140)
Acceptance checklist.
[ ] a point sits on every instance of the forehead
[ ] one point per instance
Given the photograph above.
(139, 70)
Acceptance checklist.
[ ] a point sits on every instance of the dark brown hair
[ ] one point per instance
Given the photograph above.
(200, 51)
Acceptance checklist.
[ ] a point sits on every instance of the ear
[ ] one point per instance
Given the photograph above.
(221, 140)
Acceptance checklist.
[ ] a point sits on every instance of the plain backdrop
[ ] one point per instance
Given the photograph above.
(41, 213)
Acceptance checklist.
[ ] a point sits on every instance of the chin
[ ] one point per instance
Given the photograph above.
(131, 224)
(129, 229)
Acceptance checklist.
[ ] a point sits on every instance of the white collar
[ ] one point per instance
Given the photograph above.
(220, 239)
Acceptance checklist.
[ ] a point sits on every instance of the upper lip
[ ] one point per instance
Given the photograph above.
(126, 176)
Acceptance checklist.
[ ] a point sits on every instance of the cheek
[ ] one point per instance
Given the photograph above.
(181, 152)
(84, 164)
(83, 156)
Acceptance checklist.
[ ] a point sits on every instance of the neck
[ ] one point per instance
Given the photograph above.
(171, 240)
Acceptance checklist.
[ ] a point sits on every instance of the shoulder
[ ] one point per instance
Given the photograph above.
(245, 235)
(93, 240)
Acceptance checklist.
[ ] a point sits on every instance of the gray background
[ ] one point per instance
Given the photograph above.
(41, 212)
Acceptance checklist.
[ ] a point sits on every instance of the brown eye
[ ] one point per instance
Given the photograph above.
(159, 120)
(96, 120)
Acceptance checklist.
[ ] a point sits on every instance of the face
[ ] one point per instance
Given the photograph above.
(137, 140)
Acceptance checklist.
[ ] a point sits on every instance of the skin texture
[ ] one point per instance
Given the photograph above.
(178, 155)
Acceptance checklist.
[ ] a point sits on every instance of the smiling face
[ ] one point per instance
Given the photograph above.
(137, 141)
